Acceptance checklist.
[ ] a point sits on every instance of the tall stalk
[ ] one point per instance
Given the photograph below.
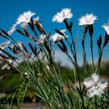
(91, 47)
(90, 27)
(83, 46)
(69, 28)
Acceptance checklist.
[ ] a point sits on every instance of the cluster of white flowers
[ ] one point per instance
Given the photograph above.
(88, 19)
(95, 85)
(65, 13)
(61, 16)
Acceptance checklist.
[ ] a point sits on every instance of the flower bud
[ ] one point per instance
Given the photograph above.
(99, 42)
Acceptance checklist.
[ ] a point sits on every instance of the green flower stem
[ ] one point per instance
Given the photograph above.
(35, 34)
(77, 70)
(73, 51)
(96, 105)
(85, 28)
(100, 52)
(84, 52)
(91, 47)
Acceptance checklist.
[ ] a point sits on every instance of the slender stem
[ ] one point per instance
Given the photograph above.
(99, 60)
(84, 52)
(96, 102)
(35, 34)
(91, 47)
(77, 70)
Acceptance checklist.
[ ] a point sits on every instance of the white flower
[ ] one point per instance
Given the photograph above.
(89, 82)
(95, 85)
(22, 19)
(88, 19)
(25, 17)
(106, 27)
(57, 37)
(61, 16)
(98, 89)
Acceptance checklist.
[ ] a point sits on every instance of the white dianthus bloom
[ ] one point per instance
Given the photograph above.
(98, 89)
(25, 17)
(95, 85)
(88, 19)
(57, 37)
(22, 19)
(89, 82)
(106, 27)
(94, 91)
(61, 16)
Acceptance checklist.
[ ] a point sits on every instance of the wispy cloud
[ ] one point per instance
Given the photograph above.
(63, 59)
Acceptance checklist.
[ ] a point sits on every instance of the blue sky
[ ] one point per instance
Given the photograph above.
(11, 9)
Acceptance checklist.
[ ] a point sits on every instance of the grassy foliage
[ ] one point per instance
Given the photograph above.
(39, 75)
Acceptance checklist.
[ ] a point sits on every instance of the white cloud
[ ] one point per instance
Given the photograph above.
(62, 58)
